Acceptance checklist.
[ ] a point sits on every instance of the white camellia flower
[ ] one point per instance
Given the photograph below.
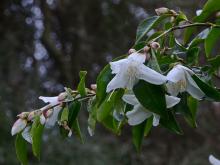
(213, 160)
(18, 126)
(180, 80)
(139, 113)
(128, 71)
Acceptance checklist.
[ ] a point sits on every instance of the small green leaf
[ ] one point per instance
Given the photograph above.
(74, 109)
(215, 62)
(21, 149)
(192, 55)
(171, 124)
(138, 132)
(211, 93)
(152, 97)
(108, 105)
(64, 114)
(81, 86)
(148, 126)
(36, 134)
(181, 17)
(76, 129)
(113, 125)
(211, 39)
(146, 25)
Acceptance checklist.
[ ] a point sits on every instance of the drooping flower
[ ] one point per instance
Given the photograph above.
(18, 126)
(128, 71)
(213, 160)
(139, 113)
(180, 80)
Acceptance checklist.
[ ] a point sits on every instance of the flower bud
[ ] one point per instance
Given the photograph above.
(93, 87)
(18, 126)
(70, 133)
(146, 49)
(42, 119)
(217, 14)
(173, 12)
(62, 96)
(131, 51)
(23, 115)
(155, 45)
(48, 113)
(162, 10)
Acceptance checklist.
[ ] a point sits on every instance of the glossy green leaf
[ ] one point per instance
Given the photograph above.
(148, 126)
(138, 135)
(215, 62)
(74, 109)
(112, 125)
(21, 149)
(170, 123)
(211, 40)
(76, 129)
(152, 97)
(211, 93)
(210, 7)
(108, 105)
(81, 86)
(192, 55)
(36, 134)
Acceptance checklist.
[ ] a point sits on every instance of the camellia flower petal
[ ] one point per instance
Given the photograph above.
(139, 113)
(50, 122)
(26, 134)
(128, 71)
(213, 160)
(18, 126)
(52, 100)
(180, 80)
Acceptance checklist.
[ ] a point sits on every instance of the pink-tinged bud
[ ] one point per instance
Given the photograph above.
(18, 126)
(48, 113)
(155, 45)
(93, 87)
(23, 115)
(146, 49)
(62, 96)
(162, 10)
(31, 116)
(131, 51)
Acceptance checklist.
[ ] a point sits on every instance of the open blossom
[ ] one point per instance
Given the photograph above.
(128, 71)
(213, 160)
(139, 113)
(180, 80)
(18, 126)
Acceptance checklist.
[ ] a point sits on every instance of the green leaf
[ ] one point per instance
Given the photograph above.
(192, 56)
(211, 39)
(171, 124)
(152, 97)
(199, 38)
(113, 125)
(188, 108)
(181, 17)
(36, 134)
(81, 86)
(108, 105)
(210, 7)
(138, 132)
(215, 62)
(64, 114)
(211, 93)
(146, 25)
(148, 126)
(76, 129)
(21, 149)
(74, 109)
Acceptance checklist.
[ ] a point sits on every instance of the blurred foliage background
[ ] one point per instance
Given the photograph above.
(43, 46)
